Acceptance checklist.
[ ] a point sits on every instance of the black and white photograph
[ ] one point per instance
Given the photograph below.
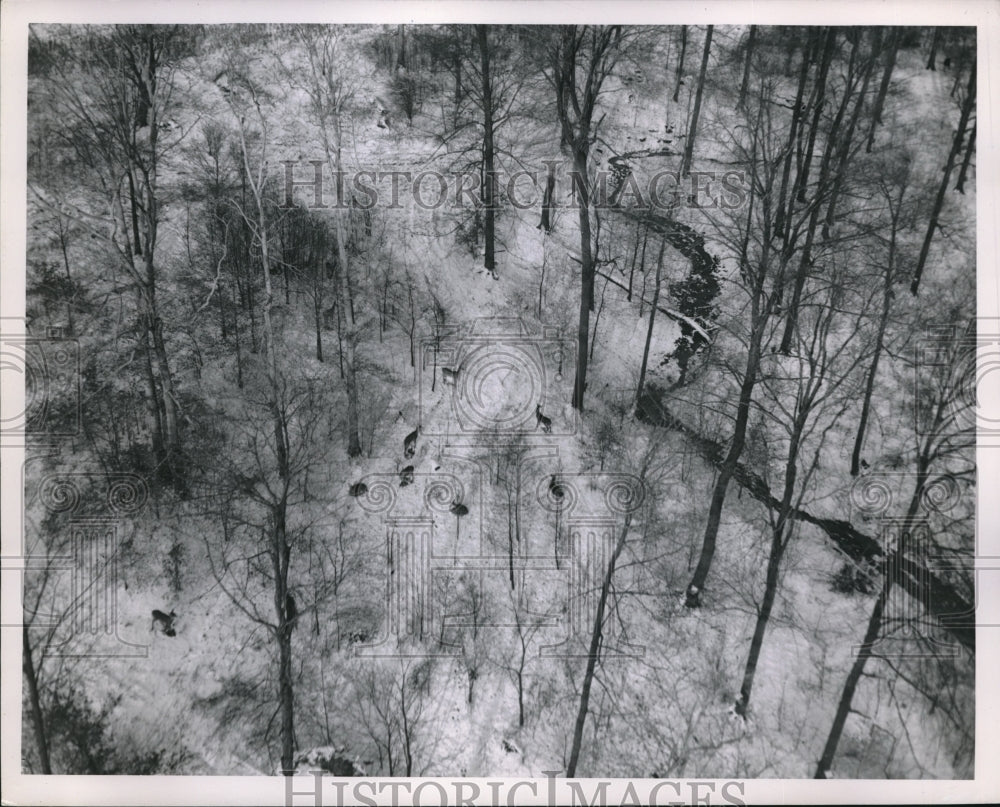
(467, 405)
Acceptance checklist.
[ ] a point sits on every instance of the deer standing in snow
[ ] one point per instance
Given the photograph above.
(165, 622)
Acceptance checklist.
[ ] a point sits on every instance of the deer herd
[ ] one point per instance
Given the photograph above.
(449, 376)
(164, 623)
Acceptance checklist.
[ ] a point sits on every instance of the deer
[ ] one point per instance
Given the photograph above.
(458, 510)
(406, 476)
(165, 621)
(362, 636)
(449, 376)
(410, 443)
(541, 420)
(358, 489)
(555, 489)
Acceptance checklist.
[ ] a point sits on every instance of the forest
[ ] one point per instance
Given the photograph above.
(484, 400)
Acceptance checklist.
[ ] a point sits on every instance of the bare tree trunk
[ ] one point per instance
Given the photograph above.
(652, 317)
(935, 41)
(692, 132)
(401, 53)
(457, 67)
(146, 65)
(744, 85)
(279, 549)
(727, 469)
(969, 149)
(153, 410)
(510, 537)
(779, 221)
(595, 650)
(680, 62)
(489, 185)
(547, 198)
(318, 321)
(520, 696)
(631, 271)
(802, 180)
(34, 698)
(350, 337)
(134, 213)
(238, 342)
(890, 64)
(845, 147)
(779, 541)
(64, 248)
(350, 378)
(778, 544)
(805, 264)
(956, 146)
(851, 684)
(642, 268)
(541, 282)
(859, 441)
(890, 269)
(597, 318)
(891, 573)
(170, 431)
(577, 131)
(286, 694)
(586, 279)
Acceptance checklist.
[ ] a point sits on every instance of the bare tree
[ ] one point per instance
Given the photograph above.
(112, 96)
(329, 93)
(944, 441)
(273, 487)
(762, 258)
(826, 357)
(652, 317)
(935, 41)
(514, 661)
(489, 150)
(393, 706)
(649, 470)
(890, 64)
(892, 191)
(692, 132)
(580, 58)
(680, 63)
(969, 150)
(956, 146)
(747, 59)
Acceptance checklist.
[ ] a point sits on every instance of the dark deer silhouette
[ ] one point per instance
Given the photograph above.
(410, 443)
(555, 489)
(291, 612)
(358, 489)
(406, 476)
(449, 376)
(458, 510)
(359, 636)
(165, 622)
(541, 420)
